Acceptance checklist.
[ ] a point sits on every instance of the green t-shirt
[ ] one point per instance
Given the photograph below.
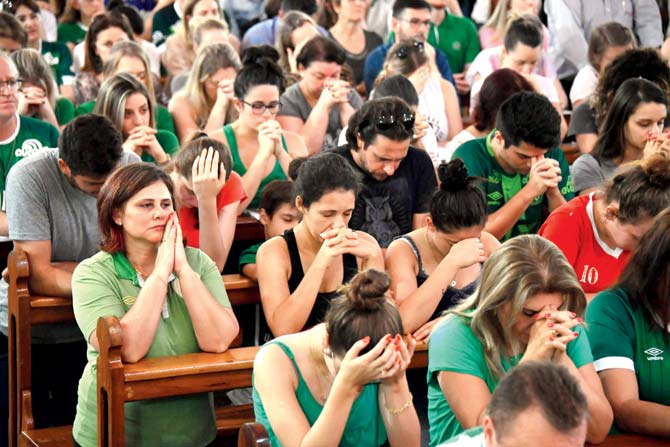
(164, 24)
(473, 437)
(454, 347)
(164, 119)
(107, 284)
(457, 38)
(621, 336)
(248, 256)
(74, 32)
(500, 187)
(32, 135)
(168, 142)
(58, 56)
(364, 428)
(64, 111)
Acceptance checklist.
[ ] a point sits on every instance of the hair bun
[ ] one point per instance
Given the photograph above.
(657, 168)
(259, 55)
(367, 290)
(294, 167)
(453, 175)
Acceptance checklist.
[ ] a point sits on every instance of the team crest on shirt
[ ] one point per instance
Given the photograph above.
(654, 353)
(28, 148)
(51, 59)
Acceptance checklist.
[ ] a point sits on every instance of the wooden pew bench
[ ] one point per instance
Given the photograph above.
(24, 312)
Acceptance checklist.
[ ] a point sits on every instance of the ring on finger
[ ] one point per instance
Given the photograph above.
(554, 333)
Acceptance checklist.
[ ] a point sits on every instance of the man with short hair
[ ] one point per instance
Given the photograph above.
(53, 218)
(398, 180)
(20, 136)
(535, 404)
(525, 169)
(411, 20)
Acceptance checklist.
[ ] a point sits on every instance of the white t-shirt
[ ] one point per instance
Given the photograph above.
(544, 85)
(585, 83)
(488, 61)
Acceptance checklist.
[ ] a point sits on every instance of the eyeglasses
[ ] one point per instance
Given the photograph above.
(416, 22)
(259, 108)
(385, 122)
(401, 53)
(13, 84)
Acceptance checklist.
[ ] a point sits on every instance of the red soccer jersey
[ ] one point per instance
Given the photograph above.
(232, 192)
(571, 227)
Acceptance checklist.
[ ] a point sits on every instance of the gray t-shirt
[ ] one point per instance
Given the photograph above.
(42, 205)
(587, 173)
(583, 120)
(295, 104)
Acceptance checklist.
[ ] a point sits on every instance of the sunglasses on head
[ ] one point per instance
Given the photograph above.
(386, 121)
(401, 53)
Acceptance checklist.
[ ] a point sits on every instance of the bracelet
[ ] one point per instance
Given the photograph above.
(403, 408)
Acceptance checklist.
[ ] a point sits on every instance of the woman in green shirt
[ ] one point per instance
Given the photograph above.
(127, 103)
(76, 19)
(170, 301)
(527, 307)
(628, 330)
(343, 381)
(261, 149)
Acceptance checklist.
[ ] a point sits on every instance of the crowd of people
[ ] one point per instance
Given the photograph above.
(412, 165)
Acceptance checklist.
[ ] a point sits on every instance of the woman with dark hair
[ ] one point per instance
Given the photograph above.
(607, 42)
(105, 31)
(349, 32)
(628, 329)
(320, 105)
(299, 272)
(636, 116)
(261, 149)
(597, 232)
(636, 63)
(434, 267)
(209, 194)
(497, 87)
(343, 382)
(170, 301)
(528, 307)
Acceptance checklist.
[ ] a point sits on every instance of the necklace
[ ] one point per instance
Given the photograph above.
(323, 372)
(433, 248)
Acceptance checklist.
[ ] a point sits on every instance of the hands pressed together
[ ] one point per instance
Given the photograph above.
(341, 240)
(551, 333)
(545, 175)
(171, 255)
(335, 93)
(143, 139)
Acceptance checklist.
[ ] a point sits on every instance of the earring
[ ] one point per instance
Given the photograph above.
(328, 352)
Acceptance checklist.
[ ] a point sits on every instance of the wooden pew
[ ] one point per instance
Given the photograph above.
(253, 435)
(632, 440)
(25, 311)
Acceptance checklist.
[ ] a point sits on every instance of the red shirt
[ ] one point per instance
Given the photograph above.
(571, 227)
(232, 192)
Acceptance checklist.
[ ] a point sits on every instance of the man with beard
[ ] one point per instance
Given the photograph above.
(398, 180)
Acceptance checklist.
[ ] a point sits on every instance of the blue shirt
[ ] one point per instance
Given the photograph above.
(263, 33)
(375, 61)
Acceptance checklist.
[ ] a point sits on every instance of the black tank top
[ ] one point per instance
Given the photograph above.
(323, 299)
(451, 295)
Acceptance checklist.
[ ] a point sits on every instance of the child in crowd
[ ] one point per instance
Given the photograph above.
(277, 214)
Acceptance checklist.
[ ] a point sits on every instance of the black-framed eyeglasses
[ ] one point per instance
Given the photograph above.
(13, 84)
(401, 53)
(258, 108)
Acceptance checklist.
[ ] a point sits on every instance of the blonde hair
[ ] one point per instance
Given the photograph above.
(413, 59)
(128, 48)
(33, 68)
(500, 19)
(208, 61)
(520, 269)
(111, 100)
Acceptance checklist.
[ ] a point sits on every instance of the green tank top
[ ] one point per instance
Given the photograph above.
(364, 428)
(276, 174)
